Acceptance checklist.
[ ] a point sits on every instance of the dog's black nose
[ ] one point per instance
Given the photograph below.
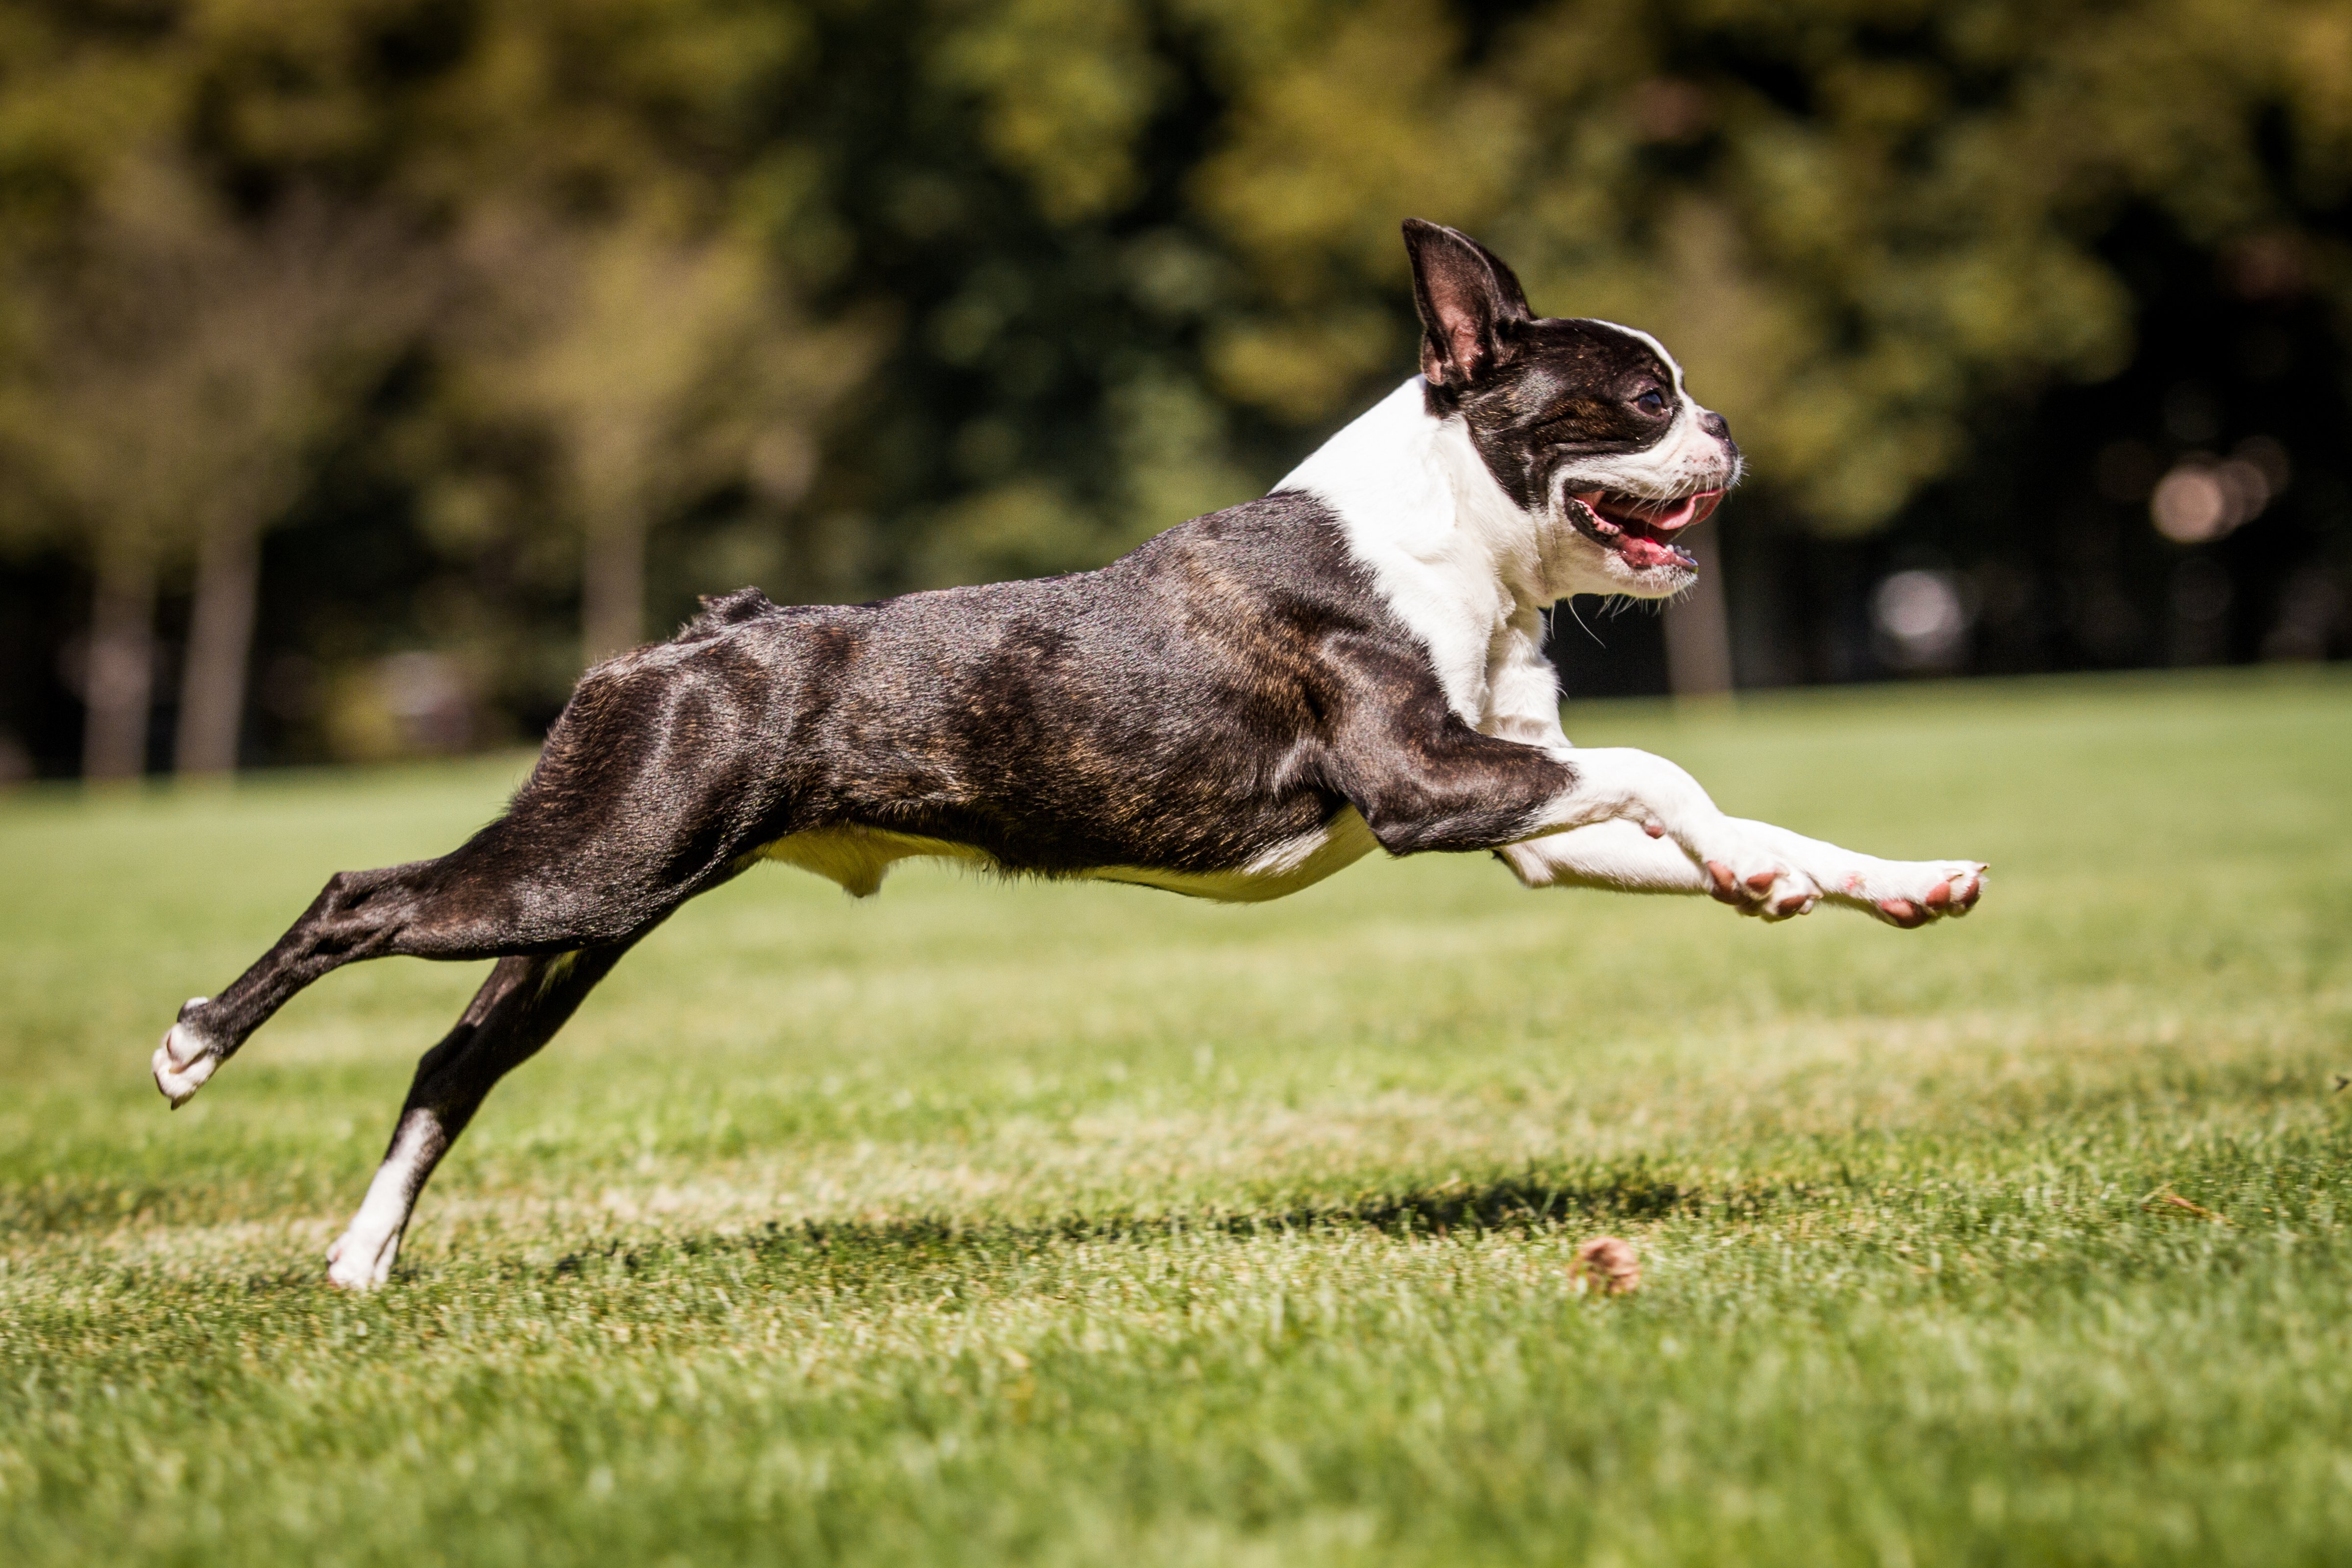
(1714, 425)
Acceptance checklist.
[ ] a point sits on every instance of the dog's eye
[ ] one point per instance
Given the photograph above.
(1652, 402)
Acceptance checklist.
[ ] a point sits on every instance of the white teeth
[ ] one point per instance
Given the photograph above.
(1600, 524)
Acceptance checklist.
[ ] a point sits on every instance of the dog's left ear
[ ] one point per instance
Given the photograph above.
(1466, 295)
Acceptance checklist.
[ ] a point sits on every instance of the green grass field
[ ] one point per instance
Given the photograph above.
(988, 1224)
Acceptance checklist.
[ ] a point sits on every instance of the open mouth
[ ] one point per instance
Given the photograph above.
(1641, 531)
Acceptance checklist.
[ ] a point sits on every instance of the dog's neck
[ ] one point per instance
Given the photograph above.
(1466, 568)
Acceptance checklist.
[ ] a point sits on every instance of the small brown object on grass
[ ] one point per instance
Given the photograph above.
(2165, 1197)
(1607, 1265)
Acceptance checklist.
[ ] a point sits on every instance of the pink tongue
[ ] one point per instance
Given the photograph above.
(1643, 551)
(1678, 516)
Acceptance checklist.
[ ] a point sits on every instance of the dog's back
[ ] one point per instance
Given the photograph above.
(1168, 712)
(1234, 709)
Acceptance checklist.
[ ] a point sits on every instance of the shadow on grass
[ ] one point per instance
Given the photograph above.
(1514, 1205)
(52, 1208)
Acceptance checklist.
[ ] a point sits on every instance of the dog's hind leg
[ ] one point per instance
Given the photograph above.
(513, 890)
(617, 826)
(517, 1011)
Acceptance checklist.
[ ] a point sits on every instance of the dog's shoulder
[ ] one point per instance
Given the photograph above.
(1288, 553)
(720, 611)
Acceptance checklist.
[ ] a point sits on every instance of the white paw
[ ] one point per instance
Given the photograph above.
(1911, 893)
(360, 1261)
(185, 1060)
(1757, 883)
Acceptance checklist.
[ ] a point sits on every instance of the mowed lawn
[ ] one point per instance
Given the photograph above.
(1074, 1225)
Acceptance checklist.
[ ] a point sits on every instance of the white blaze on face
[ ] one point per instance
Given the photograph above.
(1684, 459)
(1466, 566)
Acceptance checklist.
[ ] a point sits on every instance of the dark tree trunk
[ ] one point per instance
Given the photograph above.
(118, 686)
(220, 644)
(613, 587)
(1698, 624)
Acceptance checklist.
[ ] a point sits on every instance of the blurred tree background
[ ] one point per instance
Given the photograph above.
(367, 365)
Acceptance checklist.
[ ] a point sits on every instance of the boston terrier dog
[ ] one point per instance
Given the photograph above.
(1235, 710)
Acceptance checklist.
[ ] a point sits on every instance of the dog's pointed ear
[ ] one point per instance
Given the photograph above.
(1466, 297)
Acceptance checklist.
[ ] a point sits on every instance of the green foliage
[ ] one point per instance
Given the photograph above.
(989, 1223)
(1065, 88)
(1045, 277)
(182, 364)
(1855, 223)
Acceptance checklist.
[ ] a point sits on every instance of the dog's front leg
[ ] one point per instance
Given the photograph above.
(1615, 856)
(1906, 893)
(1426, 781)
(1616, 794)
(1622, 856)
(1606, 817)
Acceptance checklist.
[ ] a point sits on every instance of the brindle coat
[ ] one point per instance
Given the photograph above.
(1234, 709)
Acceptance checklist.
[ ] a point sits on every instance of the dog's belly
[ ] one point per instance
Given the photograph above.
(1273, 873)
(859, 857)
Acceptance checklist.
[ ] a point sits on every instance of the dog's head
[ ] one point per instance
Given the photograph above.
(1585, 425)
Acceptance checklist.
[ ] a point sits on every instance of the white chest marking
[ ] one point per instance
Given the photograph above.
(1454, 557)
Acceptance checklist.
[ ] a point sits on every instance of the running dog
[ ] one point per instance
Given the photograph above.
(1235, 710)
